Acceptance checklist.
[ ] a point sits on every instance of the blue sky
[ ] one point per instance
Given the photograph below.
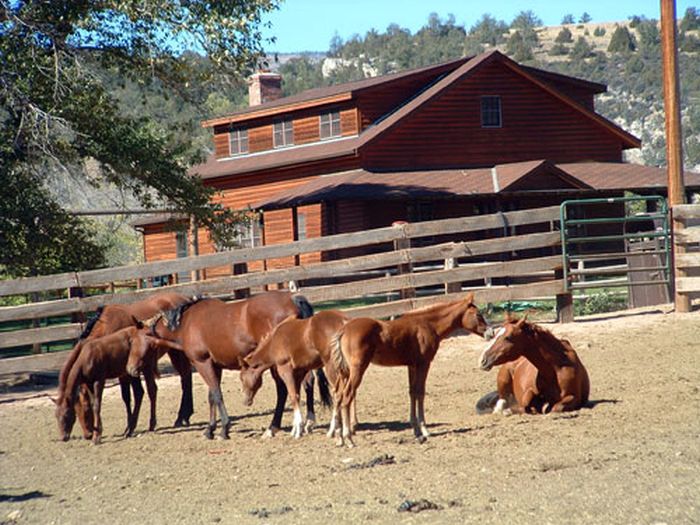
(309, 25)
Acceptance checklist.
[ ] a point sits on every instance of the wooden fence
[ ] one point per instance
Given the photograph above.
(433, 272)
(687, 248)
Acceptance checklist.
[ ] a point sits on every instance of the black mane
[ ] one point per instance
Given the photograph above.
(173, 317)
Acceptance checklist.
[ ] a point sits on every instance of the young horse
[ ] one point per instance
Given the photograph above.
(108, 320)
(411, 340)
(541, 373)
(295, 348)
(217, 335)
(101, 359)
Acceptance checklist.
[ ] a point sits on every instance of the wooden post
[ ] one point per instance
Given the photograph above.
(194, 244)
(404, 243)
(36, 347)
(674, 140)
(565, 308)
(240, 269)
(451, 264)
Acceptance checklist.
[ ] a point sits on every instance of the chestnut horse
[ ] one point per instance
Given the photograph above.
(541, 372)
(105, 358)
(411, 340)
(215, 335)
(295, 348)
(108, 320)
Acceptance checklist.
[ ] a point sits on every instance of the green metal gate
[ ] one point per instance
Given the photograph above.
(604, 242)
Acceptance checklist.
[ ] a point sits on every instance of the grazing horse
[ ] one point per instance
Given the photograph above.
(215, 335)
(411, 340)
(295, 348)
(105, 358)
(541, 372)
(110, 319)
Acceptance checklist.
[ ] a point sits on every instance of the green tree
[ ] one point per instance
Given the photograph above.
(525, 20)
(488, 30)
(564, 36)
(581, 49)
(519, 48)
(649, 36)
(567, 19)
(599, 31)
(57, 111)
(585, 18)
(622, 41)
(691, 19)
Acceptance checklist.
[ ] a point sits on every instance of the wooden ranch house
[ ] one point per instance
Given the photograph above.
(471, 136)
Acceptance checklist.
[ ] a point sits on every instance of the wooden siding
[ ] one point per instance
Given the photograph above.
(278, 229)
(159, 245)
(447, 132)
(314, 229)
(221, 145)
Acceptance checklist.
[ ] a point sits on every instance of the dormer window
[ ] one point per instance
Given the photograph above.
(330, 125)
(491, 112)
(283, 133)
(238, 141)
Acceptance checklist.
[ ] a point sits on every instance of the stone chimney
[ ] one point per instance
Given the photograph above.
(264, 87)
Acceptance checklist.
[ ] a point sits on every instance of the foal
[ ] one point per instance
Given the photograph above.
(101, 359)
(295, 347)
(541, 372)
(411, 341)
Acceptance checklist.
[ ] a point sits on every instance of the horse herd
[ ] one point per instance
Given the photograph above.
(280, 332)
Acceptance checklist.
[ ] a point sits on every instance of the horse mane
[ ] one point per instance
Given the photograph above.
(303, 305)
(542, 333)
(91, 323)
(173, 317)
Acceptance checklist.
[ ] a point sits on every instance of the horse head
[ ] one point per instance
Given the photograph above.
(65, 416)
(508, 343)
(251, 379)
(142, 344)
(472, 319)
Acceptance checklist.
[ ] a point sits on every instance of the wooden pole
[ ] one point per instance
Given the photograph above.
(674, 143)
(194, 244)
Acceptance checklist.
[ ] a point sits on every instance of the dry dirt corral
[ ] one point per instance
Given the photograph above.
(633, 457)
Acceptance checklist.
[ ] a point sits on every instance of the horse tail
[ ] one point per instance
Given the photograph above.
(337, 356)
(304, 308)
(324, 388)
(91, 323)
(487, 403)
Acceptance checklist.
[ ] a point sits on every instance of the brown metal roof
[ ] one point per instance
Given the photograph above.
(327, 92)
(365, 185)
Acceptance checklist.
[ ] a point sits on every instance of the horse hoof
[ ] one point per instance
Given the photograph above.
(270, 433)
(421, 439)
(209, 434)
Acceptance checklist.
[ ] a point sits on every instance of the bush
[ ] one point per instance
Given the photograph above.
(564, 36)
(601, 302)
(599, 31)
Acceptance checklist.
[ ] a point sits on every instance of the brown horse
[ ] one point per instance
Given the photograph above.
(295, 348)
(541, 372)
(217, 335)
(411, 340)
(105, 358)
(110, 319)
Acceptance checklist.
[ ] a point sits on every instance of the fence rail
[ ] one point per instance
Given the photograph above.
(460, 260)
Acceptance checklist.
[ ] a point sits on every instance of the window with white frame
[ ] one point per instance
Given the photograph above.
(238, 141)
(491, 112)
(283, 133)
(330, 125)
(250, 234)
(301, 226)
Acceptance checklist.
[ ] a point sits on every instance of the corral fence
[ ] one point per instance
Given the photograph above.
(502, 257)
(687, 249)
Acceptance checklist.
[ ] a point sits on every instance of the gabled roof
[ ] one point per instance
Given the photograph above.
(330, 94)
(350, 146)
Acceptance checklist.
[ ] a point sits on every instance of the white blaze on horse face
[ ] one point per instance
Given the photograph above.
(496, 337)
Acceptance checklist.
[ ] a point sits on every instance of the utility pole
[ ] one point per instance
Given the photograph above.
(674, 144)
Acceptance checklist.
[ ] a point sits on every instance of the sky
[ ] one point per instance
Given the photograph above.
(309, 25)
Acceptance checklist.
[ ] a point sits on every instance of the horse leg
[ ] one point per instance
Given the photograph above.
(504, 386)
(182, 364)
(349, 393)
(308, 380)
(421, 379)
(138, 399)
(293, 383)
(96, 396)
(124, 387)
(281, 388)
(566, 403)
(83, 410)
(334, 425)
(152, 389)
(212, 378)
(413, 400)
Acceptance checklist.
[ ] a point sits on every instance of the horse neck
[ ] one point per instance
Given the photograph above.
(547, 351)
(75, 377)
(446, 318)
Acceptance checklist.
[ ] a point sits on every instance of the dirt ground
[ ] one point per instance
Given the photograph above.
(633, 457)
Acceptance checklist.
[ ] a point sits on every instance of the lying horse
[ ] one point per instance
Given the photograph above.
(105, 358)
(215, 335)
(541, 372)
(295, 348)
(411, 340)
(110, 319)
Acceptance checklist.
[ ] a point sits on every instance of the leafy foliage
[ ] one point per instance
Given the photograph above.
(57, 111)
(622, 41)
(564, 36)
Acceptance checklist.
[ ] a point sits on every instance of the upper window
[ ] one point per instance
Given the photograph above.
(238, 141)
(491, 112)
(284, 133)
(330, 125)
